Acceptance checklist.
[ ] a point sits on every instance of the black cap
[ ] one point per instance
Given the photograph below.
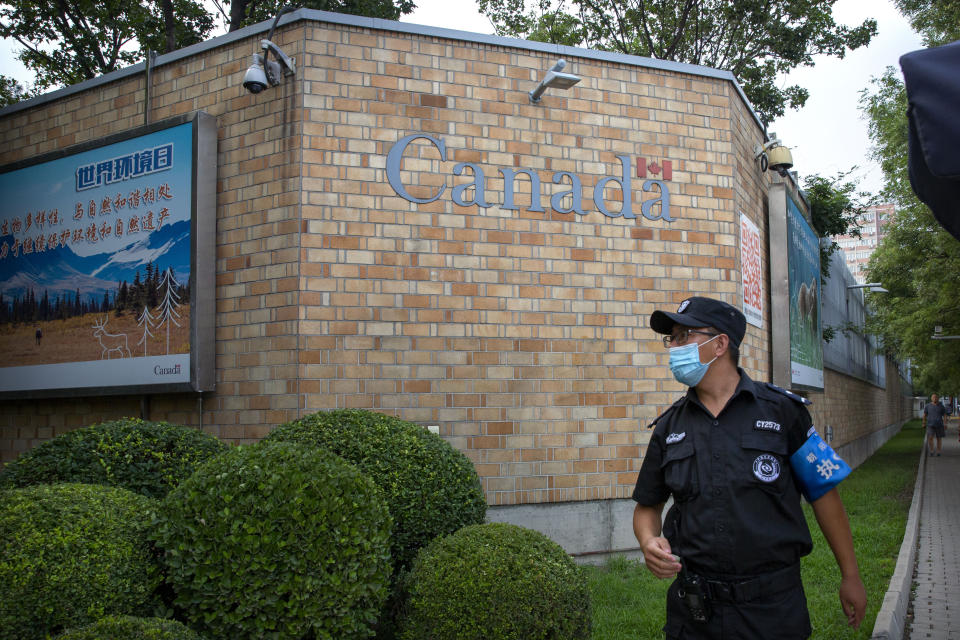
(702, 312)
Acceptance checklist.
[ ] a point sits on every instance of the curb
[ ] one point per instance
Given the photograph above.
(892, 617)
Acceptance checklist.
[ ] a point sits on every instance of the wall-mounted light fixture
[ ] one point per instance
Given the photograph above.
(873, 287)
(938, 334)
(555, 78)
(774, 155)
(264, 73)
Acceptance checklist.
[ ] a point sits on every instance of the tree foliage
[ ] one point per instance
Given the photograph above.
(938, 21)
(755, 39)
(835, 204)
(918, 260)
(241, 13)
(70, 41)
(12, 91)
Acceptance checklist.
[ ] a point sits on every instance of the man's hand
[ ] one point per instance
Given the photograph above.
(659, 560)
(853, 600)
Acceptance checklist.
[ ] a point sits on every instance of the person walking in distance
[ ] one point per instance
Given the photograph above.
(933, 415)
(736, 455)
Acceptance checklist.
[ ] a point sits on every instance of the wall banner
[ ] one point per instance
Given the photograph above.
(106, 265)
(750, 268)
(806, 336)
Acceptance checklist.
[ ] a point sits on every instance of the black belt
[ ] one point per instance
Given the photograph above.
(753, 588)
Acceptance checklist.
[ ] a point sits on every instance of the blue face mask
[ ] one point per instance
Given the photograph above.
(685, 363)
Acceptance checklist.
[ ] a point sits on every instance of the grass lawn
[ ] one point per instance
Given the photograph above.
(628, 602)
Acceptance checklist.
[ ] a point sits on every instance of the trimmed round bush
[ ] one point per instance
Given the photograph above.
(276, 540)
(131, 628)
(70, 554)
(496, 582)
(431, 488)
(148, 458)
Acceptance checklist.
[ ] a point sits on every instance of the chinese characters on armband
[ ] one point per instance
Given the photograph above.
(817, 468)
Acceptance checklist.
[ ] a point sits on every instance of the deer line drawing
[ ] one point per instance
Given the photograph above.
(115, 342)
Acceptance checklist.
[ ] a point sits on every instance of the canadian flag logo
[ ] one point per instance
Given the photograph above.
(662, 171)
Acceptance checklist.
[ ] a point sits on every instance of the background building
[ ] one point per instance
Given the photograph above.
(857, 251)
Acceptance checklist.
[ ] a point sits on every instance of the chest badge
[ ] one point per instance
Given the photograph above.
(767, 425)
(766, 467)
(674, 438)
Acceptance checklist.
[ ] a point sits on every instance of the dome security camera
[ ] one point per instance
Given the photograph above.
(780, 159)
(263, 73)
(255, 80)
(774, 155)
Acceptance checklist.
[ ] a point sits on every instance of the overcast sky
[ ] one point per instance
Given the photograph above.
(827, 136)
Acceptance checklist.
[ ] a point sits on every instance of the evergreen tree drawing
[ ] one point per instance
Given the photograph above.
(170, 303)
(146, 320)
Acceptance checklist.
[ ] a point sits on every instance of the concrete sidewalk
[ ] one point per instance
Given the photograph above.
(936, 599)
(930, 554)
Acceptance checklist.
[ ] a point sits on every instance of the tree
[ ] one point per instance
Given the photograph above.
(834, 207)
(122, 297)
(938, 21)
(172, 25)
(918, 260)
(171, 302)
(755, 39)
(12, 91)
(147, 321)
(69, 41)
(245, 12)
(917, 263)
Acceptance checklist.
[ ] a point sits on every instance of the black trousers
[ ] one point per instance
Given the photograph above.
(781, 614)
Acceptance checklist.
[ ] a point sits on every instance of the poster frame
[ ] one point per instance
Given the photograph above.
(753, 314)
(202, 279)
(780, 329)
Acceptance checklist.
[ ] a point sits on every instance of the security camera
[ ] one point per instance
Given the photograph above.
(774, 155)
(255, 80)
(780, 159)
(263, 72)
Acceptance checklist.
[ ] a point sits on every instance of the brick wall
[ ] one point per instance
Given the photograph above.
(258, 209)
(855, 408)
(522, 334)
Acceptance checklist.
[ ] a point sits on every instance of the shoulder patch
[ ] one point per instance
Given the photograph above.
(669, 409)
(789, 394)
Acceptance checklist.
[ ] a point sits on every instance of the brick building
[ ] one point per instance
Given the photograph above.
(496, 282)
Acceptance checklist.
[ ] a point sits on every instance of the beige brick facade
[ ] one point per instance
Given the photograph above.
(522, 334)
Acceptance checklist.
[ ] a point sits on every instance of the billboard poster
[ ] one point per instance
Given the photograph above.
(750, 269)
(98, 268)
(803, 263)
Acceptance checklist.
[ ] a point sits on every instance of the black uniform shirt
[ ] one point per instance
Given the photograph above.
(736, 505)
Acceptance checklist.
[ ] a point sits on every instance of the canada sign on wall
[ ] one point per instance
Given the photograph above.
(475, 193)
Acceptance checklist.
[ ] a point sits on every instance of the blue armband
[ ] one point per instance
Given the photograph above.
(817, 468)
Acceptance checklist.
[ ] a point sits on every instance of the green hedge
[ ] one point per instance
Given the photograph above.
(131, 628)
(276, 541)
(496, 582)
(71, 553)
(431, 488)
(148, 458)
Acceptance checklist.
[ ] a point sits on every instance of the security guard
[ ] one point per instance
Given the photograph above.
(736, 455)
